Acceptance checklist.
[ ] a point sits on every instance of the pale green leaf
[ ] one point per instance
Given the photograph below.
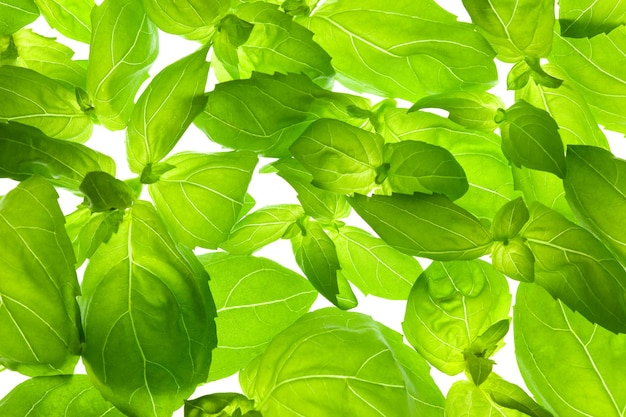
(514, 259)
(15, 14)
(585, 18)
(228, 404)
(88, 230)
(465, 399)
(510, 219)
(512, 397)
(72, 18)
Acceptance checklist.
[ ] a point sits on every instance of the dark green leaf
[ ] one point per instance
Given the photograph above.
(478, 367)
(15, 14)
(519, 76)
(407, 50)
(201, 198)
(221, 405)
(575, 267)
(38, 286)
(104, 192)
(72, 18)
(166, 109)
(89, 230)
(256, 299)
(148, 318)
(335, 363)
(124, 44)
(584, 19)
(424, 225)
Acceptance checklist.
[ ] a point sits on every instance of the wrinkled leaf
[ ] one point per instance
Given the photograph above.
(584, 19)
(72, 18)
(89, 230)
(15, 14)
(221, 405)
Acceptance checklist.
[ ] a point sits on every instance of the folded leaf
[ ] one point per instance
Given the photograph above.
(36, 100)
(429, 226)
(165, 110)
(512, 397)
(336, 363)
(595, 188)
(25, 151)
(514, 28)
(16, 14)
(124, 43)
(39, 316)
(450, 306)
(514, 259)
(407, 50)
(148, 318)
(104, 192)
(221, 405)
(510, 219)
(88, 230)
(572, 366)
(576, 268)
(72, 18)
(66, 395)
(256, 299)
(582, 19)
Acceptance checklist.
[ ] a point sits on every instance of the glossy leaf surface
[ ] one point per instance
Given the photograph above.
(16, 14)
(72, 18)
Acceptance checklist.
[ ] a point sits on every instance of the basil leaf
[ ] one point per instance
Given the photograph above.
(256, 299)
(271, 42)
(25, 151)
(165, 110)
(514, 258)
(510, 219)
(316, 202)
(515, 29)
(342, 158)
(261, 228)
(193, 19)
(48, 57)
(450, 305)
(88, 230)
(39, 326)
(72, 18)
(422, 167)
(410, 50)
(124, 43)
(104, 192)
(478, 367)
(200, 199)
(316, 255)
(512, 397)
(595, 66)
(267, 113)
(378, 374)
(148, 318)
(475, 110)
(530, 138)
(373, 266)
(581, 19)
(221, 405)
(561, 355)
(575, 267)
(596, 192)
(429, 226)
(36, 100)
(16, 14)
(67, 395)
(479, 154)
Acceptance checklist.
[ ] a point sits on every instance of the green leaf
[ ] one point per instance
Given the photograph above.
(582, 19)
(316, 202)
(575, 267)
(261, 227)
(38, 313)
(66, 395)
(274, 43)
(72, 18)
(512, 397)
(148, 318)
(193, 19)
(595, 67)
(15, 14)
(256, 299)
(337, 363)
(25, 151)
(429, 226)
(596, 191)
(519, 76)
(450, 306)
(514, 259)
(478, 367)
(124, 43)
(422, 167)
(407, 50)
(373, 266)
(487, 170)
(267, 113)
(316, 255)
(514, 28)
(36, 100)
(475, 110)
(510, 219)
(221, 405)
(530, 138)
(48, 57)
(104, 192)
(201, 198)
(572, 366)
(88, 230)
(165, 110)
(342, 158)
(530, 68)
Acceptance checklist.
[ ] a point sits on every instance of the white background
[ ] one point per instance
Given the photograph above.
(269, 189)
